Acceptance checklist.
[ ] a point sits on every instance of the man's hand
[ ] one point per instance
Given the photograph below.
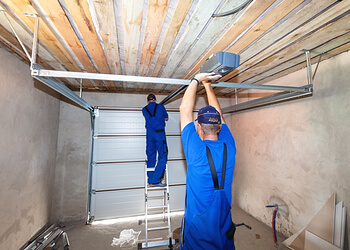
(207, 77)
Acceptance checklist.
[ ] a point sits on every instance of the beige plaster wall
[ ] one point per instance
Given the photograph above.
(298, 151)
(29, 126)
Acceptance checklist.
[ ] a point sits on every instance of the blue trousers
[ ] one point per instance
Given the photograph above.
(156, 143)
(208, 230)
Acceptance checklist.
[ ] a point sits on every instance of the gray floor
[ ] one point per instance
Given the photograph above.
(100, 236)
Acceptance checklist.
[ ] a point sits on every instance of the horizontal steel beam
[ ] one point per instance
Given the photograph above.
(62, 89)
(124, 78)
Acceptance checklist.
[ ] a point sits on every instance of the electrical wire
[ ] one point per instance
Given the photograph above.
(230, 12)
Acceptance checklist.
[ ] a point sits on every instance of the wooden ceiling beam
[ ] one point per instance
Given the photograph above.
(177, 19)
(317, 38)
(198, 20)
(274, 16)
(45, 33)
(292, 37)
(156, 12)
(277, 35)
(108, 31)
(11, 42)
(328, 55)
(57, 16)
(326, 48)
(80, 12)
(130, 17)
(248, 16)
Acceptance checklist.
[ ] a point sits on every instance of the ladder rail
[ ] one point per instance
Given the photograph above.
(165, 208)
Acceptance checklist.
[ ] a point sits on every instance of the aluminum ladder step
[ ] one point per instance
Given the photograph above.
(157, 228)
(155, 197)
(157, 188)
(157, 207)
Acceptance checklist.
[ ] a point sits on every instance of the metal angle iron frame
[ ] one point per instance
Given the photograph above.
(282, 96)
(52, 83)
(48, 77)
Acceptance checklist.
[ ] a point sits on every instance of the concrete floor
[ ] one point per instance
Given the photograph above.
(100, 236)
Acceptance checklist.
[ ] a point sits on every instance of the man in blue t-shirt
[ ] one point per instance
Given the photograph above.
(210, 154)
(155, 117)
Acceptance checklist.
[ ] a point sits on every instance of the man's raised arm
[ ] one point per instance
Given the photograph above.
(188, 100)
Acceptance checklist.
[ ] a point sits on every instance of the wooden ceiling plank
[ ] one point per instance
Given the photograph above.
(177, 19)
(56, 14)
(131, 16)
(80, 12)
(331, 48)
(319, 37)
(44, 58)
(280, 11)
(17, 49)
(27, 40)
(215, 28)
(300, 18)
(330, 54)
(315, 24)
(324, 48)
(45, 33)
(197, 22)
(156, 12)
(248, 16)
(108, 32)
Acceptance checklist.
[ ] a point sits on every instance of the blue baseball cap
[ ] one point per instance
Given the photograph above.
(151, 97)
(209, 115)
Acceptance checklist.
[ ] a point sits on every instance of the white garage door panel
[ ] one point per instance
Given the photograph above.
(117, 176)
(131, 148)
(122, 203)
(120, 122)
(120, 149)
(173, 124)
(177, 197)
(175, 147)
(132, 122)
(177, 172)
(118, 161)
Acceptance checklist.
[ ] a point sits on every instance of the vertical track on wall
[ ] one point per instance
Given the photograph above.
(93, 113)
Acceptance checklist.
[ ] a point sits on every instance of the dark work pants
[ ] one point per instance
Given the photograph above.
(156, 143)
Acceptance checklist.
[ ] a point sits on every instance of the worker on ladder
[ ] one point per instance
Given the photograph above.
(210, 155)
(155, 116)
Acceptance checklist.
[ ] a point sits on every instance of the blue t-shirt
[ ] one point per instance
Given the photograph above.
(199, 182)
(158, 121)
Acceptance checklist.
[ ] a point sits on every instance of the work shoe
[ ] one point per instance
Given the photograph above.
(156, 184)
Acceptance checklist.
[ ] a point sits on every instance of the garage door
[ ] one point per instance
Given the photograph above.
(118, 154)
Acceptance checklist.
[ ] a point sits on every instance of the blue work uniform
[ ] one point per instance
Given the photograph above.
(155, 115)
(207, 222)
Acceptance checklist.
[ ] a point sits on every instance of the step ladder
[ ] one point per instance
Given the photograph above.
(159, 196)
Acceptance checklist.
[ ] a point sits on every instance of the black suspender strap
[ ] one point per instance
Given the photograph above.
(224, 161)
(154, 112)
(213, 171)
(155, 109)
(148, 111)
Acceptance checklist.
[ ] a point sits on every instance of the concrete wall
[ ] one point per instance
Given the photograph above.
(29, 126)
(298, 151)
(71, 176)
